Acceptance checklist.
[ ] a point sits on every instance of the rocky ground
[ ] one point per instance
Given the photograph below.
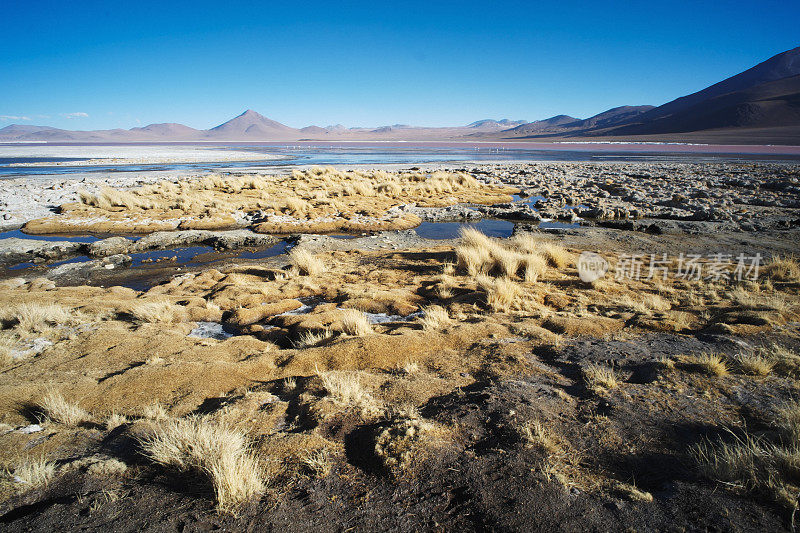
(386, 381)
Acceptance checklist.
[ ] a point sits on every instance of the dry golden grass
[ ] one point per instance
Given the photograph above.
(34, 472)
(754, 364)
(306, 262)
(534, 266)
(216, 451)
(38, 317)
(535, 434)
(355, 322)
(318, 463)
(783, 269)
(309, 339)
(501, 294)
(786, 362)
(434, 318)
(115, 420)
(598, 378)
(161, 311)
(345, 389)
(154, 411)
(56, 409)
(752, 464)
(555, 255)
(708, 363)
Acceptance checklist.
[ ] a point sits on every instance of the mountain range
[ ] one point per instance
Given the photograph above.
(759, 105)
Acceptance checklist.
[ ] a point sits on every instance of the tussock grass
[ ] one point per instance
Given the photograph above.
(33, 473)
(539, 436)
(501, 294)
(521, 256)
(318, 463)
(783, 269)
(345, 389)
(786, 362)
(115, 420)
(38, 317)
(161, 311)
(598, 378)
(434, 318)
(355, 322)
(57, 409)
(306, 262)
(154, 411)
(708, 363)
(555, 255)
(754, 364)
(765, 465)
(309, 339)
(220, 453)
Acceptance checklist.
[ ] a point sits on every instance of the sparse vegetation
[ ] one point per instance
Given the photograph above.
(434, 318)
(33, 472)
(754, 364)
(345, 389)
(56, 409)
(218, 452)
(306, 263)
(157, 311)
(598, 378)
(708, 363)
(355, 322)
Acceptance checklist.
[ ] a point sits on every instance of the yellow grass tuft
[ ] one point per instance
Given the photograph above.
(783, 269)
(34, 472)
(599, 378)
(345, 389)
(309, 339)
(535, 434)
(434, 317)
(220, 453)
(161, 311)
(754, 364)
(57, 409)
(709, 363)
(555, 255)
(306, 263)
(36, 317)
(355, 322)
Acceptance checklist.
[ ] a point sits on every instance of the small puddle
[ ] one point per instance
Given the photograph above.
(19, 234)
(450, 230)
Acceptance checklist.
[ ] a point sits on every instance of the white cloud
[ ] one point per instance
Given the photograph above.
(9, 118)
(79, 114)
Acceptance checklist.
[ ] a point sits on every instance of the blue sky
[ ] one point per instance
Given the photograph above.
(91, 65)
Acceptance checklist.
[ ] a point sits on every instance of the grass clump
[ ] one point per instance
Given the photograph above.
(213, 450)
(306, 263)
(708, 363)
(309, 339)
(37, 317)
(598, 378)
(754, 364)
(160, 311)
(345, 389)
(783, 269)
(535, 434)
(33, 472)
(786, 362)
(434, 318)
(355, 322)
(56, 409)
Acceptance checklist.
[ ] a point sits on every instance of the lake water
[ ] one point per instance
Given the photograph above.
(412, 153)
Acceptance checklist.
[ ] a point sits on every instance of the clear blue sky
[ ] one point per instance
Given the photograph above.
(90, 65)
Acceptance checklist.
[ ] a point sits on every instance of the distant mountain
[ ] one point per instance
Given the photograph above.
(771, 104)
(552, 124)
(612, 117)
(166, 130)
(251, 125)
(783, 65)
(489, 123)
